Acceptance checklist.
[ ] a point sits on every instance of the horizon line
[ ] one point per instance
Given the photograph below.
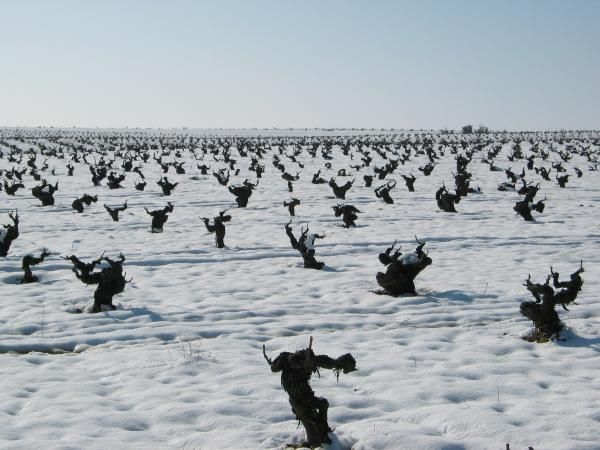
(393, 129)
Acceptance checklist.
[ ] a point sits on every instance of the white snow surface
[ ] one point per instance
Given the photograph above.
(409, 259)
(179, 364)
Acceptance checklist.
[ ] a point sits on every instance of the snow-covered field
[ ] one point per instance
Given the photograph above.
(179, 364)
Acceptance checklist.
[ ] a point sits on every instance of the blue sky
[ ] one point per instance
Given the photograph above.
(508, 64)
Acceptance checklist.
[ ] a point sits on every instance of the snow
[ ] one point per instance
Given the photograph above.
(409, 259)
(179, 364)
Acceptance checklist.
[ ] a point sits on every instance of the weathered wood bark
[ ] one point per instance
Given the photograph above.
(27, 262)
(317, 179)
(305, 245)
(9, 234)
(291, 205)
(401, 270)
(242, 193)
(340, 191)
(383, 192)
(110, 280)
(45, 193)
(410, 182)
(166, 185)
(445, 200)
(160, 217)
(11, 189)
(115, 180)
(296, 370)
(542, 311)
(85, 199)
(114, 212)
(348, 213)
(218, 227)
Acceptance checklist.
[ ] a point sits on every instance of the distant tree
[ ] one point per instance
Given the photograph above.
(467, 129)
(482, 129)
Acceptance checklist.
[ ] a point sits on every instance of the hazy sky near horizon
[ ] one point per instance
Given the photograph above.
(508, 64)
